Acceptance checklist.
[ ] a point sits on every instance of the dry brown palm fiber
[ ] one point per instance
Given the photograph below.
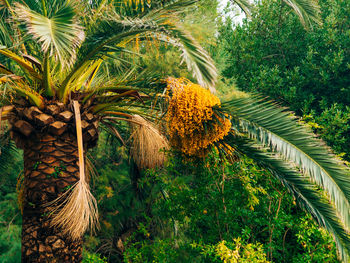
(148, 145)
(78, 211)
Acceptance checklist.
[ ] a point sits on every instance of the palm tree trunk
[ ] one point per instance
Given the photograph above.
(50, 150)
(51, 168)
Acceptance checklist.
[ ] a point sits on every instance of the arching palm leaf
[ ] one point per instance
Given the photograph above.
(272, 127)
(308, 11)
(110, 34)
(245, 5)
(307, 194)
(296, 157)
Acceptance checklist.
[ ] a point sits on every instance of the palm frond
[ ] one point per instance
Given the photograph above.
(22, 62)
(79, 210)
(4, 70)
(6, 38)
(271, 126)
(140, 8)
(81, 79)
(196, 58)
(148, 145)
(115, 31)
(245, 5)
(308, 11)
(8, 151)
(7, 31)
(306, 193)
(59, 33)
(18, 86)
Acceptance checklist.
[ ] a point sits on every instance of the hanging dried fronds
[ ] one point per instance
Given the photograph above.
(78, 211)
(193, 125)
(148, 145)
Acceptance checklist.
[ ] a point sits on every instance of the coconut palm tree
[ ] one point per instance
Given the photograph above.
(59, 85)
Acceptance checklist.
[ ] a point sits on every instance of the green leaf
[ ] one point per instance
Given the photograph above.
(23, 63)
(141, 8)
(159, 24)
(196, 58)
(271, 126)
(59, 34)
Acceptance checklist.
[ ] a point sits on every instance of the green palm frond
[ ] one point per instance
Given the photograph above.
(308, 11)
(16, 85)
(24, 64)
(110, 33)
(58, 31)
(5, 71)
(140, 8)
(245, 5)
(6, 38)
(196, 58)
(305, 192)
(148, 85)
(272, 127)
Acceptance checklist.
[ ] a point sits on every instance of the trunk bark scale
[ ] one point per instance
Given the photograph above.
(51, 168)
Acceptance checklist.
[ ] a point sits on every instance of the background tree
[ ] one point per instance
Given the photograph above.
(304, 70)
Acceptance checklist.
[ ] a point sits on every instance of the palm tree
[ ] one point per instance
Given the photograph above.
(51, 53)
(58, 88)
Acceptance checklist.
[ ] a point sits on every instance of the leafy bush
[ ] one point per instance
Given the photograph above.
(308, 71)
(211, 212)
(93, 258)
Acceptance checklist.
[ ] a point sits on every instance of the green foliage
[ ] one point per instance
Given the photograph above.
(203, 210)
(93, 258)
(308, 234)
(307, 71)
(193, 209)
(333, 125)
(10, 243)
(58, 170)
(10, 215)
(163, 250)
(268, 126)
